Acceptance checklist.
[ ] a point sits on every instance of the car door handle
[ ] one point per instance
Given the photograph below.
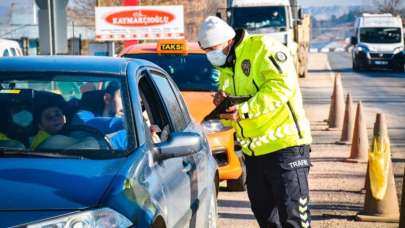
(187, 166)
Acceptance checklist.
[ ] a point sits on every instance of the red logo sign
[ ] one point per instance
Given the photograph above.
(140, 18)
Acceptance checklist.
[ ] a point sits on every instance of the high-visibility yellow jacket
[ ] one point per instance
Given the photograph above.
(39, 138)
(273, 118)
(3, 137)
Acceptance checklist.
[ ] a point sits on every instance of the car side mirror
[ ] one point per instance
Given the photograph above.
(178, 145)
(353, 40)
(300, 14)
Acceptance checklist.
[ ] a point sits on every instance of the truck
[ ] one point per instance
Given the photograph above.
(281, 19)
(378, 42)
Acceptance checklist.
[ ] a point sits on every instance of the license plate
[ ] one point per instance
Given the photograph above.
(381, 62)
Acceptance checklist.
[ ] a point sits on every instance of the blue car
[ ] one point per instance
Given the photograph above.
(100, 142)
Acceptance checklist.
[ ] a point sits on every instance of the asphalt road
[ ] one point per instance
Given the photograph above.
(335, 185)
(379, 90)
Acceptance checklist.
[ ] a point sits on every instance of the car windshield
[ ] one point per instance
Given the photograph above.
(191, 72)
(253, 18)
(380, 35)
(62, 115)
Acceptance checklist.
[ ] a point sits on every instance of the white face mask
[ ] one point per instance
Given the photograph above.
(22, 118)
(216, 57)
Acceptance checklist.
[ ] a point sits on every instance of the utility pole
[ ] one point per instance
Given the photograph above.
(52, 26)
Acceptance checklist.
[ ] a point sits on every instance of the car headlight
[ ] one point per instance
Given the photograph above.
(104, 217)
(360, 48)
(214, 126)
(398, 50)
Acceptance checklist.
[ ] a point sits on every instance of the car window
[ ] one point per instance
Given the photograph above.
(171, 102)
(13, 52)
(191, 72)
(156, 118)
(81, 115)
(6, 52)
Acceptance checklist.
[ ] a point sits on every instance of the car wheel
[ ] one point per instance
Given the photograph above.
(355, 66)
(240, 183)
(400, 68)
(213, 210)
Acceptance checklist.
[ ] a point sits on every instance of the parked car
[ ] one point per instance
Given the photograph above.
(197, 78)
(9, 48)
(100, 142)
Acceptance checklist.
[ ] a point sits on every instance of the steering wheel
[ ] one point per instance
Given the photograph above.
(92, 131)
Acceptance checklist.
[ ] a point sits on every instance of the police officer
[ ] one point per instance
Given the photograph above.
(271, 126)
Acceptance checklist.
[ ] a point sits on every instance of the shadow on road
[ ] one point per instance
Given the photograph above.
(332, 216)
(337, 191)
(236, 216)
(337, 175)
(233, 203)
(328, 159)
(334, 206)
(340, 70)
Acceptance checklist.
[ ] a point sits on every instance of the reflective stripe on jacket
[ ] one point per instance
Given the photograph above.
(274, 117)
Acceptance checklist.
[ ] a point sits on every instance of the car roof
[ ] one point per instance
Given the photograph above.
(8, 42)
(77, 64)
(150, 48)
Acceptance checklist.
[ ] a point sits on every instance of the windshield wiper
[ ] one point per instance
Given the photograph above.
(14, 153)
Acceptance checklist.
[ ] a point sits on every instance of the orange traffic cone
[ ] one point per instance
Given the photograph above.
(381, 202)
(402, 218)
(336, 112)
(359, 149)
(347, 132)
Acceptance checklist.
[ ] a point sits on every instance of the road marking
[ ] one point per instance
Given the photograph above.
(329, 68)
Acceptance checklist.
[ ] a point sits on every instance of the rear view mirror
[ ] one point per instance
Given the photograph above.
(300, 14)
(353, 40)
(178, 145)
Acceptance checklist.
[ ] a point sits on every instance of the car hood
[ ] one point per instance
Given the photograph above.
(384, 48)
(199, 104)
(44, 184)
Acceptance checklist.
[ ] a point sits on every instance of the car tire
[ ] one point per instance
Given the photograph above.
(212, 216)
(355, 67)
(400, 68)
(240, 183)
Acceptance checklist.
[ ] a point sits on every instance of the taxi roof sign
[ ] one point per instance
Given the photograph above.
(172, 47)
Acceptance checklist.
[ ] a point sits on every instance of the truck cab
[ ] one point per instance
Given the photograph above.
(378, 42)
(263, 17)
(280, 19)
(9, 48)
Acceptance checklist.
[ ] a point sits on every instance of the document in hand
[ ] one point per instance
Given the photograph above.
(226, 103)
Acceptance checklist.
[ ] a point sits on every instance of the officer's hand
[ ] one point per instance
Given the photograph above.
(219, 97)
(231, 114)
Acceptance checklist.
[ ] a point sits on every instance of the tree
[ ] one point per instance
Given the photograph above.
(388, 6)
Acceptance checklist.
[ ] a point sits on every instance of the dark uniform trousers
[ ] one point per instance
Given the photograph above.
(277, 185)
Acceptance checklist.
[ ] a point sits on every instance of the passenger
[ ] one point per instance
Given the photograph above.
(3, 137)
(107, 117)
(50, 121)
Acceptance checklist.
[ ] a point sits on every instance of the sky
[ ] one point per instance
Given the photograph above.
(309, 3)
(304, 3)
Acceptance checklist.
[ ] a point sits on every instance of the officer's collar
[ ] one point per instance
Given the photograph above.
(231, 58)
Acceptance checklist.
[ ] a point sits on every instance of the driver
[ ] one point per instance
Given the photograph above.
(108, 118)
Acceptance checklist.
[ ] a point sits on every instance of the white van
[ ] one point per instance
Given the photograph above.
(9, 48)
(378, 42)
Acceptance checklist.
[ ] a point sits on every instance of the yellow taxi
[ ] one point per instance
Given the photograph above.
(197, 79)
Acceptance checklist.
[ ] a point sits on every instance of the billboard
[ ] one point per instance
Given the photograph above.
(139, 23)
